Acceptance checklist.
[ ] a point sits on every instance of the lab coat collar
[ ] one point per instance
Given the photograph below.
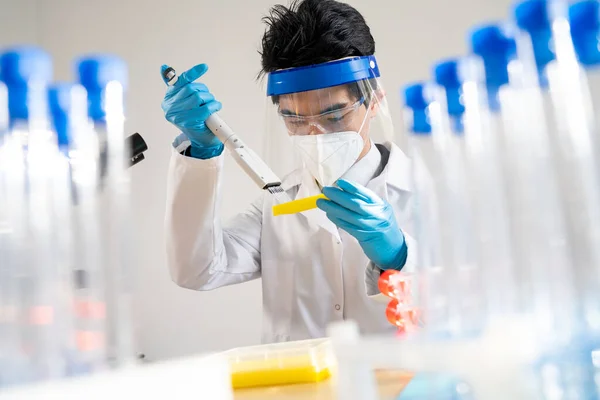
(397, 172)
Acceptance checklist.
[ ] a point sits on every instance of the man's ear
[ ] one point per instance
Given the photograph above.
(374, 108)
(376, 99)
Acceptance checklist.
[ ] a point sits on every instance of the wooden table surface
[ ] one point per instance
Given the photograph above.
(390, 384)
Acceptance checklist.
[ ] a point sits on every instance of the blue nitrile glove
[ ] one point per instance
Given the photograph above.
(368, 218)
(187, 105)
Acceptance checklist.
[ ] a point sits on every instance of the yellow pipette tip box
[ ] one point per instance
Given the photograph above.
(296, 206)
(306, 361)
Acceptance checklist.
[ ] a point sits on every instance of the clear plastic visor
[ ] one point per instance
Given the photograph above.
(358, 107)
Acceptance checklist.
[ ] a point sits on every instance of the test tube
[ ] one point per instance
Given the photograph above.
(79, 145)
(424, 182)
(571, 140)
(105, 78)
(31, 161)
(61, 233)
(444, 268)
(537, 229)
(496, 49)
(576, 158)
(585, 31)
(433, 292)
(427, 182)
(457, 227)
(13, 368)
(7, 323)
(543, 257)
(464, 82)
(460, 184)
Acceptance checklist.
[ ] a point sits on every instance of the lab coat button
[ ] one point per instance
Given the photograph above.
(337, 307)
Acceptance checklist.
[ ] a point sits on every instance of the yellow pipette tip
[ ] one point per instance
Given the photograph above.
(296, 206)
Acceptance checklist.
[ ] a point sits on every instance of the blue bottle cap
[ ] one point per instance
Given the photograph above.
(532, 17)
(20, 67)
(414, 96)
(94, 73)
(497, 48)
(60, 105)
(446, 75)
(417, 102)
(584, 17)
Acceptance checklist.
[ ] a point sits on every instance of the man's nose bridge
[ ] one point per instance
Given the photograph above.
(314, 128)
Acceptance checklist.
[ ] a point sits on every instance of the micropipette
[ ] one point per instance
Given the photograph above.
(246, 158)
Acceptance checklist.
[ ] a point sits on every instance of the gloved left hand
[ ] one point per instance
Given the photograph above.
(369, 219)
(187, 105)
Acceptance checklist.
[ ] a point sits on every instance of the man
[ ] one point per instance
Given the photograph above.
(321, 265)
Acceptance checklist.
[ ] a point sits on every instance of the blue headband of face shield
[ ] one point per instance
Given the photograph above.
(320, 76)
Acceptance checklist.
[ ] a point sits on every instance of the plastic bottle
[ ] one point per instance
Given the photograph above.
(449, 134)
(105, 79)
(464, 82)
(572, 143)
(82, 246)
(36, 272)
(427, 183)
(7, 323)
(435, 278)
(444, 253)
(585, 27)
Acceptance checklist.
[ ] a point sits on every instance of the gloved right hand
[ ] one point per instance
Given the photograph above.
(187, 105)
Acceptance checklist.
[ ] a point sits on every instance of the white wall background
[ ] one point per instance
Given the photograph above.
(225, 34)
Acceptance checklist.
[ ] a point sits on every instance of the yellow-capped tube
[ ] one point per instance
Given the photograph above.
(296, 206)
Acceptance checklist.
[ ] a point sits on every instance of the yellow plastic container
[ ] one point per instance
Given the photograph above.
(296, 206)
(306, 361)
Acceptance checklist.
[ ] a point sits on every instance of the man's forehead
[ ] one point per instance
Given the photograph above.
(317, 98)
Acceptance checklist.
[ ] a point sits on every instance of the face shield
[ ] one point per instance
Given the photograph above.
(322, 119)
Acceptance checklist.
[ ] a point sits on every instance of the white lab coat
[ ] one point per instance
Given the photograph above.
(312, 273)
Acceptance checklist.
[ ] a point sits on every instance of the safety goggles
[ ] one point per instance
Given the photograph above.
(337, 120)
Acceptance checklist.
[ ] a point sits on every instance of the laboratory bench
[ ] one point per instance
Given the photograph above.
(229, 375)
(390, 384)
(193, 379)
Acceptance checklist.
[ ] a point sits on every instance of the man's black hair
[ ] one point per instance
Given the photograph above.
(312, 32)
